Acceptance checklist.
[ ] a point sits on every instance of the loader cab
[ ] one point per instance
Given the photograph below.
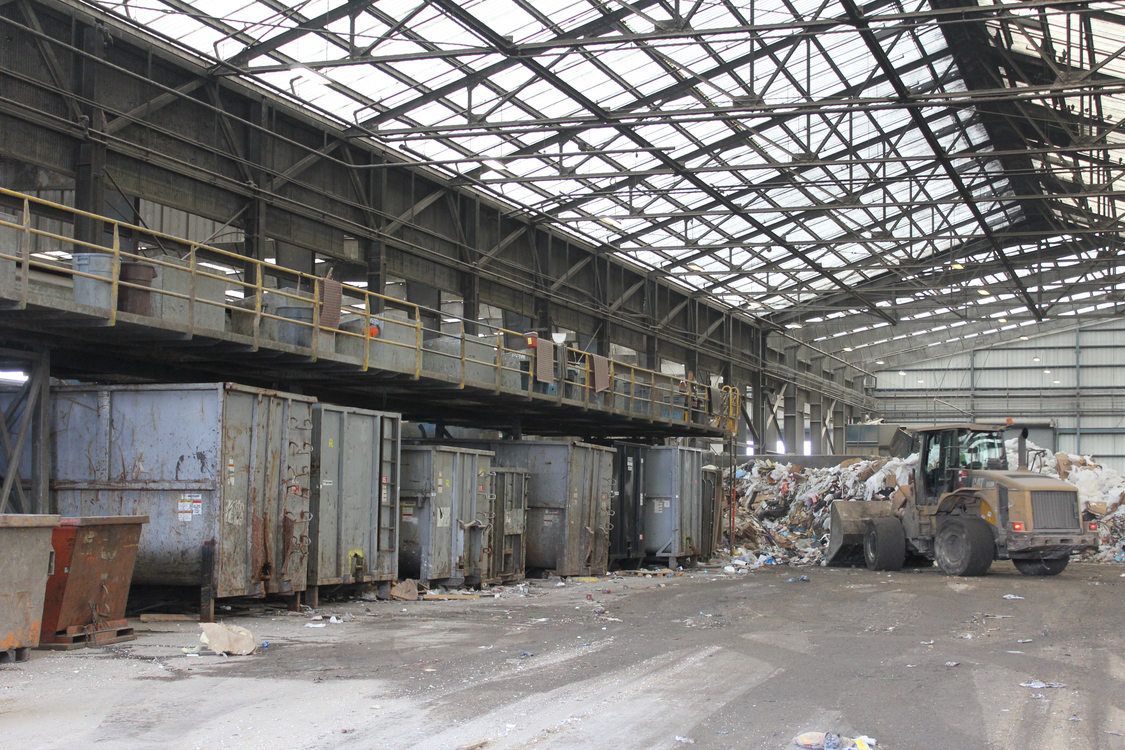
(948, 453)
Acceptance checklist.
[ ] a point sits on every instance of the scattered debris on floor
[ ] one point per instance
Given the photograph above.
(833, 741)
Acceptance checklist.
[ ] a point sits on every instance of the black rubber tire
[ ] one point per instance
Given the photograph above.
(884, 544)
(1041, 566)
(965, 546)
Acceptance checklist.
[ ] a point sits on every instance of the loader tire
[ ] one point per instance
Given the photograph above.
(884, 544)
(965, 546)
(1040, 566)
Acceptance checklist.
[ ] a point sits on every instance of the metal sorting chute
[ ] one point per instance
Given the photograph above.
(445, 502)
(354, 497)
(221, 470)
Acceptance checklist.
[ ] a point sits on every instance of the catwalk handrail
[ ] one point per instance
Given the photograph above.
(254, 291)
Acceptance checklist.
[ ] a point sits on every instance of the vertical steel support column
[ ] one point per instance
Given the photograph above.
(840, 413)
(89, 171)
(794, 423)
(816, 425)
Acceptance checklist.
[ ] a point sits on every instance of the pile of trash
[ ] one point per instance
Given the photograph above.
(783, 509)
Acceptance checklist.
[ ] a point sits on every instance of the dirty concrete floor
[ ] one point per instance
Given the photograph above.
(914, 659)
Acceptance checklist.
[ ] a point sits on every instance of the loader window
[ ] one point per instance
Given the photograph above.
(981, 450)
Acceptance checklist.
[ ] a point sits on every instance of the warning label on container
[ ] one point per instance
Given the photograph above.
(551, 517)
(190, 504)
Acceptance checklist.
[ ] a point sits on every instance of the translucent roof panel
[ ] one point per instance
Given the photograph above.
(808, 163)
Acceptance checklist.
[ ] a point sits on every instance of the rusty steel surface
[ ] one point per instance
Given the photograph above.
(25, 541)
(86, 595)
(211, 462)
(354, 498)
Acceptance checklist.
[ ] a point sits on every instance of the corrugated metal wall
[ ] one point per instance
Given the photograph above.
(1074, 381)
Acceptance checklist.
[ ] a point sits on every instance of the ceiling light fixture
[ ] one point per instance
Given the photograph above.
(957, 266)
(983, 292)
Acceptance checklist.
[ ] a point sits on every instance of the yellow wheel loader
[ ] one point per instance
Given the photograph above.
(967, 509)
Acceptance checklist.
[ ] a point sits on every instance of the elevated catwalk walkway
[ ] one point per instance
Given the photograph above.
(150, 307)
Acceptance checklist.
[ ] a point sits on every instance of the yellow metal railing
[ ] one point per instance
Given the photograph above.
(266, 304)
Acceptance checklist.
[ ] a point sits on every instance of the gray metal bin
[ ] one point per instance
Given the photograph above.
(506, 536)
(221, 470)
(444, 502)
(353, 497)
(673, 503)
(568, 498)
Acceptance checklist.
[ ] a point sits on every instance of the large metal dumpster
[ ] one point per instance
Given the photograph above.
(712, 505)
(673, 503)
(567, 503)
(221, 470)
(25, 563)
(353, 497)
(626, 532)
(506, 535)
(89, 588)
(445, 502)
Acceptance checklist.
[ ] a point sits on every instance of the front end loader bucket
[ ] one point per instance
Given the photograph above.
(847, 525)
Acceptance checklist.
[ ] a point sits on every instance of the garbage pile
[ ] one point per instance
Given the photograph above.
(783, 509)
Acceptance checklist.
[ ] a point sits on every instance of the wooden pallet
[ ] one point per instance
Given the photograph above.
(81, 639)
(12, 655)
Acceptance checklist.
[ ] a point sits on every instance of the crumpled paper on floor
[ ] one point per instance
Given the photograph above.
(226, 639)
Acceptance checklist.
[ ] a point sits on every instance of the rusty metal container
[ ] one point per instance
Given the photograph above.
(568, 502)
(354, 497)
(87, 592)
(444, 502)
(506, 538)
(221, 470)
(25, 563)
(673, 504)
(712, 516)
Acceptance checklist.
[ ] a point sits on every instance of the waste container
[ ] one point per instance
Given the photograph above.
(92, 291)
(353, 497)
(220, 469)
(25, 563)
(627, 534)
(86, 594)
(132, 299)
(673, 504)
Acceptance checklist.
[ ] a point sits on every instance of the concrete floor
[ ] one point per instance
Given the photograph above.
(914, 659)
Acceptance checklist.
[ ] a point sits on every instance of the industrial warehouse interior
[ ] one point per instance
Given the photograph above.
(495, 374)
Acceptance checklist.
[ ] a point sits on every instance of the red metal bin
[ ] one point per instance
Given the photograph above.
(25, 563)
(86, 595)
